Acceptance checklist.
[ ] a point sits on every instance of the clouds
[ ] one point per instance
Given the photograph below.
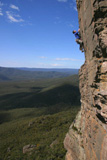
(60, 62)
(56, 65)
(1, 13)
(59, 59)
(42, 57)
(75, 8)
(10, 12)
(14, 7)
(73, 5)
(14, 17)
(47, 65)
(66, 59)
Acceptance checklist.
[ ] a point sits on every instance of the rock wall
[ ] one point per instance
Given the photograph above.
(87, 136)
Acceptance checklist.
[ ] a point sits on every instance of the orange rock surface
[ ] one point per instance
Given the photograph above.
(87, 136)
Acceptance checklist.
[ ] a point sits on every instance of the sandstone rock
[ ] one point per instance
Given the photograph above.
(104, 67)
(28, 148)
(87, 137)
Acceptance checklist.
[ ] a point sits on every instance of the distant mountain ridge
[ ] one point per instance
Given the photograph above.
(67, 70)
(14, 74)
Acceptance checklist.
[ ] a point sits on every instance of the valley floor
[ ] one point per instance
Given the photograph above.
(35, 117)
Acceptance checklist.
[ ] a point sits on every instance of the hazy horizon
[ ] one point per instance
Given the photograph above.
(37, 67)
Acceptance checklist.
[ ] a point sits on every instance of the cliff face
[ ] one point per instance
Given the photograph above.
(87, 136)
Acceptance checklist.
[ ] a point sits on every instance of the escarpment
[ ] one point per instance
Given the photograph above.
(87, 135)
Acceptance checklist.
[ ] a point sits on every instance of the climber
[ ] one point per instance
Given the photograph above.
(78, 39)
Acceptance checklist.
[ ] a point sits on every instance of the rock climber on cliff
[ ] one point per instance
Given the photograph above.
(78, 39)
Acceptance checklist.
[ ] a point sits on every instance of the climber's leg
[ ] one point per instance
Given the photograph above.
(80, 42)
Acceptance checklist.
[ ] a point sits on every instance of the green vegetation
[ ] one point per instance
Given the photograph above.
(13, 74)
(41, 93)
(16, 134)
(37, 113)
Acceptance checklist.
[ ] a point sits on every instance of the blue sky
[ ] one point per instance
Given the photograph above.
(38, 33)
